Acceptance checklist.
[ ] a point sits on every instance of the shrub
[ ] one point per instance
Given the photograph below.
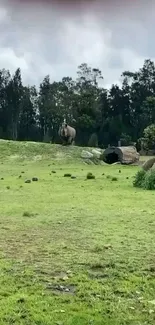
(67, 175)
(114, 179)
(34, 179)
(149, 181)
(28, 181)
(139, 178)
(27, 214)
(149, 137)
(90, 176)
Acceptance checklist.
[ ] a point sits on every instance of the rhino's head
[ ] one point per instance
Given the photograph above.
(64, 130)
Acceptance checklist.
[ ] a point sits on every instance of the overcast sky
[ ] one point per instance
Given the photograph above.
(43, 38)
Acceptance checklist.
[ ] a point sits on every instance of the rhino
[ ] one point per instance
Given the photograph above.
(67, 133)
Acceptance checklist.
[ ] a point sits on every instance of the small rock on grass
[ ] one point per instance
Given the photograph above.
(107, 246)
(69, 272)
(65, 278)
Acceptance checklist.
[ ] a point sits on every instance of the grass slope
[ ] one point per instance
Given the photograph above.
(73, 251)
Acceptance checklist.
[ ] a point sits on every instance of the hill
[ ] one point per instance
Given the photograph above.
(36, 151)
(18, 150)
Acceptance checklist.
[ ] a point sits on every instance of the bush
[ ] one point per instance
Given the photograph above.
(149, 181)
(90, 176)
(114, 179)
(27, 214)
(125, 139)
(139, 178)
(148, 140)
(145, 179)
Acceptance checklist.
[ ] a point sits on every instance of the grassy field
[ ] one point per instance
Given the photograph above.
(73, 251)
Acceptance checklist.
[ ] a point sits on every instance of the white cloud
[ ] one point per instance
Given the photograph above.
(44, 39)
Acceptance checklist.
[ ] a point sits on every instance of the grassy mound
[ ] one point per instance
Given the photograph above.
(20, 150)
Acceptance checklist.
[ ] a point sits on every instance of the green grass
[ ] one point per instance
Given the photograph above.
(73, 251)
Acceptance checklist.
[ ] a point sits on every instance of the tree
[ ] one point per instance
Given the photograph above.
(142, 86)
(148, 141)
(28, 115)
(5, 78)
(14, 93)
(87, 100)
(122, 112)
(148, 111)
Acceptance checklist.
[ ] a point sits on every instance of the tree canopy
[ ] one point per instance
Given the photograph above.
(125, 112)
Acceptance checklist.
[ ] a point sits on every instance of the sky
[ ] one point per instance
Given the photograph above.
(55, 37)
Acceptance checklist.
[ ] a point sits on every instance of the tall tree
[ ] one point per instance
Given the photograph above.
(5, 78)
(87, 99)
(28, 115)
(14, 91)
(142, 86)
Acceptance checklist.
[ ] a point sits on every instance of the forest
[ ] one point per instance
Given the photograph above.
(101, 116)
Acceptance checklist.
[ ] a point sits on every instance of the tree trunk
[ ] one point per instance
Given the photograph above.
(14, 130)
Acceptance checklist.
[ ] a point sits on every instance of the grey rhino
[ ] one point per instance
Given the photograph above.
(67, 133)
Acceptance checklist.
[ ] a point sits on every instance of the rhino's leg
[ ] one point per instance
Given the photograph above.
(63, 142)
(73, 142)
(70, 139)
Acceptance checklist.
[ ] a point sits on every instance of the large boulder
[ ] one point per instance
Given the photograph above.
(86, 154)
(96, 153)
(148, 164)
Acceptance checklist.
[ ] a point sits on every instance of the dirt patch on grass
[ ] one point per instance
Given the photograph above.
(61, 289)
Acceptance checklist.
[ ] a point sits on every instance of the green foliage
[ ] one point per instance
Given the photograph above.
(139, 178)
(145, 179)
(149, 180)
(125, 139)
(121, 112)
(67, 175)
(90, 176)
(27, 214)
(149, 137)
(114, 179)
(93, 140)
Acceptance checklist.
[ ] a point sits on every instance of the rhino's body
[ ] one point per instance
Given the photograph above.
(67, 134)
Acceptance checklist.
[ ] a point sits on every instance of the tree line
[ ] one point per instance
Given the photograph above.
(101, 116)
